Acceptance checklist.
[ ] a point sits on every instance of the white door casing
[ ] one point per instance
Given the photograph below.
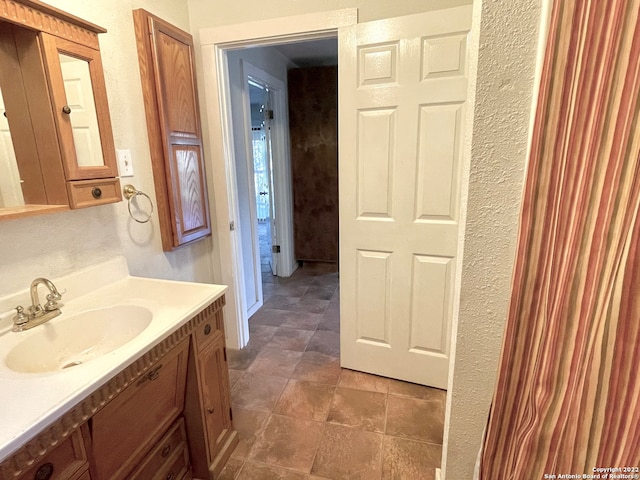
(214, 43)
(402, 92)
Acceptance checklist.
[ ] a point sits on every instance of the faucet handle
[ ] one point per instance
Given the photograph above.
(52, 302)
(20, 318)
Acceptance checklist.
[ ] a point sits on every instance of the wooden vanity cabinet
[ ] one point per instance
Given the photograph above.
(207, 408)
(166, 416)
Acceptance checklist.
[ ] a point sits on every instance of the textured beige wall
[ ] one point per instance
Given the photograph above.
(506, 61)
(209, 13)
(53, 245)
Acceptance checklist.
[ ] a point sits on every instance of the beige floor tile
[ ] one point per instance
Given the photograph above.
(306, 400)
(288, 443)
(290, 339)
(415, 418)
(249, 424)
(324, 341)
(320, 292)
(257, 391)
(406, 389)
(260, 471)
(301, 320)
(348, 454)
(357, 408)
(363, 381)
(406, 459)
(317, 367)
(267, 316)
(241, 359)
(260, 335)
(234, 376)
(231, 469)
(275, 362)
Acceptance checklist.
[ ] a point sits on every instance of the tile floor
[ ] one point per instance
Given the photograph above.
(300, 416)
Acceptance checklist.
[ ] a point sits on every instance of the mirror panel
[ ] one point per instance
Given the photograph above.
(84, 120)
(10, 183)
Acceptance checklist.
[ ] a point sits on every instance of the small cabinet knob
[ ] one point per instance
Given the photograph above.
(207, 329)
(96, 193)
(211, 409)
(44, 472)
(166, 450)
(171, 476)
(66, 109)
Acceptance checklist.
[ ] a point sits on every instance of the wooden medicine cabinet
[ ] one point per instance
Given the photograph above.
(167, 70)
(56, 150)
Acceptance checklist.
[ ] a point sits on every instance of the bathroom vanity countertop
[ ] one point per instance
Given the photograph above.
(32, 401)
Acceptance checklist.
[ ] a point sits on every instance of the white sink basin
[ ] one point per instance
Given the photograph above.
(67, 342)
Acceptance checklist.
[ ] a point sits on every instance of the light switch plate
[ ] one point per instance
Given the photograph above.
(125, 164)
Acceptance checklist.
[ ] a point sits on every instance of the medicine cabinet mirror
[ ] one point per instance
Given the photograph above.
(56, 142)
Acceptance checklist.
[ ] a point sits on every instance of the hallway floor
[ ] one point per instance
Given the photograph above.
(300, 416)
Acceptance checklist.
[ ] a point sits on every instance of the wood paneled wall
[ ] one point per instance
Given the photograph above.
(313, 124)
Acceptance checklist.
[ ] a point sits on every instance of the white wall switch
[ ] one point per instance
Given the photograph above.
(125, 165)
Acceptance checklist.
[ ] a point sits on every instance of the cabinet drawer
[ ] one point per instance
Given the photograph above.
(87, 193)
(169, 457)
(126, 428)
(61, 463)
(211, 326)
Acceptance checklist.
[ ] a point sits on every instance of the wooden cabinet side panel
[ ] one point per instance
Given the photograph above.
(147, 77)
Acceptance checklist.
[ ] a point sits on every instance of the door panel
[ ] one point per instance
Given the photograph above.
(403, 88)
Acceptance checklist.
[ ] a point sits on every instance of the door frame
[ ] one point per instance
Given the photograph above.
(215, 42)
(278, 152)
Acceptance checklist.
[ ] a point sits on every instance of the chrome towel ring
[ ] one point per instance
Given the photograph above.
(130, 192)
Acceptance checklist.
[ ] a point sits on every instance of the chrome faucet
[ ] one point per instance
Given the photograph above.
(36, 313)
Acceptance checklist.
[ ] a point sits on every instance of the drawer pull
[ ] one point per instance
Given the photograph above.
(171, 476)
(96, 193)
(44, 472)
(207, 329)
(166, 450)
(150, 375)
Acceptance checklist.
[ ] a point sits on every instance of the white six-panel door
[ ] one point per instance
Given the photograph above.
(402, 93)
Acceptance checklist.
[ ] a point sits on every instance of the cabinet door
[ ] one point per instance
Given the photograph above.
(126, 428)
(212, 373)
(80, 108)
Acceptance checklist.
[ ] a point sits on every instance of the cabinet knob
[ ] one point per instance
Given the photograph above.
(207, 329)
(211, 410)
(171, 476)
(44, 472)
(66, 109)
(166, 450)
(96, 193)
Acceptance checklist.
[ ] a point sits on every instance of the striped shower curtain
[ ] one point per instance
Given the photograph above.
(567, 400)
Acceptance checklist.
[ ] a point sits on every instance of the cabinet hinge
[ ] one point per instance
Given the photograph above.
(275, 249)
(268, 114)
(232, 226)
(224, 350)
(230, 414)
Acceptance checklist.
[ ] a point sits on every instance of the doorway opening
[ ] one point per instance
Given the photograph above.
(284, 184)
